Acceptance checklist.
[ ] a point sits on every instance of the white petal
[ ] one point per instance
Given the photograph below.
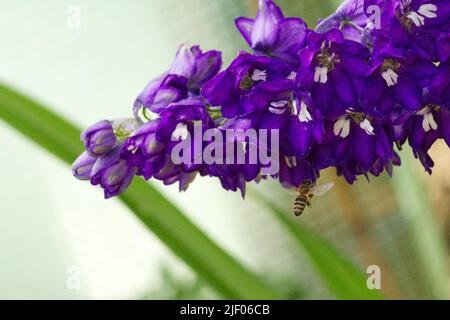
(279, 104)
(324, 75)
(428, 122)
(180, 132)
(428, 10)
(367, 127)
(304, 115)
(390, 77)
(342, 127)
(416, 18)
(259, 75)
(276, 110)
(317, 74)
(278, 107)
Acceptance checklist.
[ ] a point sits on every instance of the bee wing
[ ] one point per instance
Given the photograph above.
(322, 189)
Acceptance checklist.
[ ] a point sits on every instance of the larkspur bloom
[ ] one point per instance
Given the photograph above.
(430, 123)
(395, 78)
(356, 144)
(231, 88)
(189, 71)
(270, 33)
(332, 70)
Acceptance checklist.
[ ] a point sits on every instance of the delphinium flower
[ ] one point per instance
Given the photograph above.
(430, 123)
(190, 69)
(271, 34)
(395, 79)
(332, 70)
(356, 144)
(231, 88)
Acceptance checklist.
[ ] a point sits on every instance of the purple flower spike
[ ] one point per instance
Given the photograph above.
(273, 34)
(82, 166)
(99, 138)
(112, 173)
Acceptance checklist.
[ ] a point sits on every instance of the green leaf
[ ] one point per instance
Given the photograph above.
(207, 259)
(342, 277)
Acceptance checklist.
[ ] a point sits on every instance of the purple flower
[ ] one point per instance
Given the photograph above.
(356, 144)
(280, 106)
(395, 78)
(99, 138)
(112, 173)
(272, 34)
(82, 166)
(430, 123)
(332, 70)
(230, 89)
(189, 71)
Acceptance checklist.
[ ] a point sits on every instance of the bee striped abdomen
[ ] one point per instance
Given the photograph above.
(300, 204)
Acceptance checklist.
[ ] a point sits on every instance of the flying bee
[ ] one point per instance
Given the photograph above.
(305, 192)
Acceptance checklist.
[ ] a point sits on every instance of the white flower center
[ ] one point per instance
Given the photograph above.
(428, 122)
(342, 127)
(321, 74)
(390, 77)
(259, 75)
(304, 115)
(367, 127)
(427, 10)
(181, 132)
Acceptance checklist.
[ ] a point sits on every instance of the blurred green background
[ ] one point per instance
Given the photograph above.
(53, 227)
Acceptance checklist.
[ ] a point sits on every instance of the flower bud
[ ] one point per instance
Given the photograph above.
(113, 174)
(82, 166)
(99, 138)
